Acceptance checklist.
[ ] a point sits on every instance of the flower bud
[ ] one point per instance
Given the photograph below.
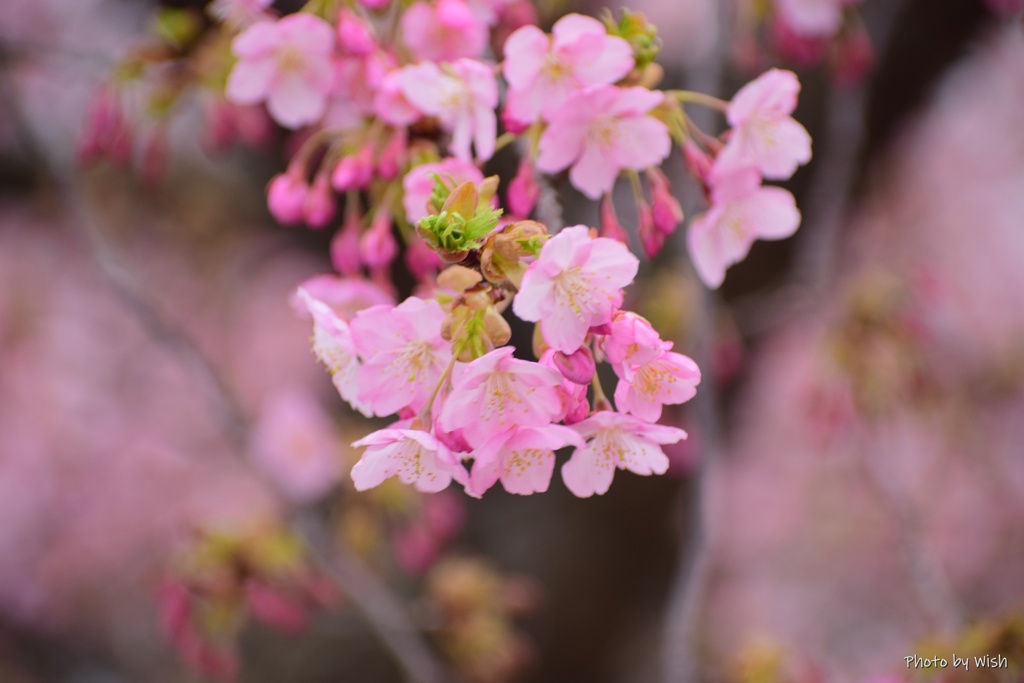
(286, 197)
(651, 239)
(698, 162)
(389, 163)
(641, 34)
(502, 253)
(355, 171)
(578, 367)
(319, 207)
(665, 209)
(378, 246)
(610, 225)
(496, 327)
(458, 278)
(523, 191)
(345, 246)
(354, 36)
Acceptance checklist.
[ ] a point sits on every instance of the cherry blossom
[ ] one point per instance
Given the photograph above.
(741, 212)
(542, 72)
(616, 441)
(333, 345)
(404, 354)
(669, 379)
(417, 457)
(523, 459)
(631, 342)
(764, 134)
(287, 64)
(575, 284)
(239, 13)
(496, 393)
(463, 96)
(444, 31)
(601, 131)
(572, 396)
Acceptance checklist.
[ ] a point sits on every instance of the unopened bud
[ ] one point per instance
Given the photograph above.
(578, 366)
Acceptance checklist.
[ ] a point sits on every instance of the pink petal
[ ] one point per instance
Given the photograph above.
(250, 80)
(525, 51)
(595, 172)
(294, 103)
(773, 213)
(587, 473)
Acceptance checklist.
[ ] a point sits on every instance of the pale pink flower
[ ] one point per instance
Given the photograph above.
(601, 131)
(294, 441)
(346, 296)
(357, 84)
(523, 459)
(616, 441)
(764, 134)
(288, 64)
(574, 284)
(418, 184)
(741, 212)
(496, 393)
(542, 72)
(632, 341)
(390, 103)
(417, 457)
(669, 379)
(333, 346)
(463, 96)
(403, 353)
(444, 31)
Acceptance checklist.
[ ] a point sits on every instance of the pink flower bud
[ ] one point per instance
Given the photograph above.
(666, 211)
(345, 246)
(286, 197)
(578, 367)
(254, 125)
(389, 163)
(274, 608)
(354, 35)
(651, 238)
(422, 261)
(855, 55)
(699, 163)
(803, 51)
(319, 207)
(523, 191)
(378, 246)
(355, 171)
(610, 226)
(512, 124)
(374, 4)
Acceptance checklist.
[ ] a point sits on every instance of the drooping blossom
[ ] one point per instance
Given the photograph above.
(523, 459)
(632, 341)
(417, 457)
(403, 352)
(288, 64)
(601, 131)
(575, 283)
(542, 71)
(355, 36)
(741, 212)
(418, 184)
(463, 96)
(333, 346)
(286, 197)
(669, 379)
(496, 393)
(616, 441)
(764, 134)
(294, 442)
(443, 31)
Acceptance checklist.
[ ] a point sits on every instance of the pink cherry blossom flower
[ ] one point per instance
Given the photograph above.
(294, 442)
(496, 393)
(669, 379)
(444, 31)
(631, 342)
(463, 96)
(601, 131)
(575, 283)
(523, 459)
(417, 457)
(543, 72)
(357, 83)
(418, 184)
(288, 64)
(390, 103)
(616, 441)
(764, 134)
(741, 212)
(333, 346)
(346, 296)
(404, 354)
(286, 197)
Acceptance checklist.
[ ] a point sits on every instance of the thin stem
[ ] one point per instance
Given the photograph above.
(504, 140)
(425, 413)
(690, 96)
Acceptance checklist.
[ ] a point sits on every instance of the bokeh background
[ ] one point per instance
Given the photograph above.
(854, 483)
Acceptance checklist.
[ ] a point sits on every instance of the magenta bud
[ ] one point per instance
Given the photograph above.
(374, 4)
(698, 162)
(389, 163)
(855, 56)
(651, 239)
(378, 247)
(513, 125)
(273, 608)
(345, 246)
(578, 366)
(665, 209)
(319, 207)
(355, 171)
(286, 197)
(610, 226)
(523, 191)
(354, 36)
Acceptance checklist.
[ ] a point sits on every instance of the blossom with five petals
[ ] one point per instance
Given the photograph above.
(523, 459)
(443, 31)
(669, 379)
(575, 284)
(288, 64)
(616, 441)
(403, 352)
(601, 131)
(417, 457)
(542, 72)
